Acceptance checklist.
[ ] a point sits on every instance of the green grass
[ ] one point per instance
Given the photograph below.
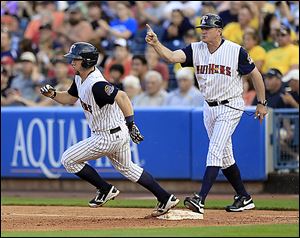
(262, 204)
(283, 230)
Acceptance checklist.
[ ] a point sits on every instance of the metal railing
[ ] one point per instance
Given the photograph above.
(285, 139)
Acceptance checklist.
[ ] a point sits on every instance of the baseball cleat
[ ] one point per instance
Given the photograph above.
(241, 203)
(102, 198)
(163, 207)
(194, 203)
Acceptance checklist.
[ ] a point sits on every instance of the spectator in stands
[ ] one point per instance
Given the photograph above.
(270, 28)
(9, 7)
(231, 14)
(189, 37)
(186, 94)
(208, 7)
(291, 97)
(6, 49)
(11, 24)
(179, 24)
(95, 14)
(155, 64)
(116, 72)
(121, 55)
(153, 13)
(234, 31)
(286, 56)
(154, 94)
(140, 68)
(283, 12)
(251, 44)
(24, 83)
(189, 8)
(124, 26)
(274, 89)
(46, 48)
(132, 86)
(20, 100)
(76, 28)
(103, 56)
(26, 45)
(8, 64)
(61, 80)
(47, 14)
(248, 91)
(4, 87)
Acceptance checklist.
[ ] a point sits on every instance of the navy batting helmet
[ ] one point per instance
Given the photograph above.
(83, 51)
(211, 21)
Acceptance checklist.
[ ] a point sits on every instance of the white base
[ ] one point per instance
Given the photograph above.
(181, 215)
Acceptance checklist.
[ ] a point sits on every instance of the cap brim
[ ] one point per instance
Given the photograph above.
(71, 56)
(208, 27)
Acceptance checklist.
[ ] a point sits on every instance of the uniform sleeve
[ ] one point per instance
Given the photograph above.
(104, 93)
(245, 64)
(73, 90)
(189, 57)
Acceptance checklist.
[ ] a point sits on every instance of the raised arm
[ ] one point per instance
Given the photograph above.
(177, 56)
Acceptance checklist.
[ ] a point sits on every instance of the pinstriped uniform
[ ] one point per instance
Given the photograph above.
(218, 79)
(115, 146)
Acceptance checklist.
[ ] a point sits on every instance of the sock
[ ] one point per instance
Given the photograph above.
(148, 182)
(209, 178)
(89, 174)
(233, 175)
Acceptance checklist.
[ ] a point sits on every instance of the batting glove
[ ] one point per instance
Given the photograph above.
(135, 133)
(48, 91)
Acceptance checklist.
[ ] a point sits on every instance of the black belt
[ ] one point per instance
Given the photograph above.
(217, 103)
(112, 131)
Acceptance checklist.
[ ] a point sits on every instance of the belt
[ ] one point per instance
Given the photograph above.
(217, 103)
(112, 131)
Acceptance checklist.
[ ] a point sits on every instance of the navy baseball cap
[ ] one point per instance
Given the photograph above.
(274, 73)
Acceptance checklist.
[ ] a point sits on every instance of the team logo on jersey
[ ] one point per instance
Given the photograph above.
(109, 89)
(85, 106)
(249, 59)
(213, 69)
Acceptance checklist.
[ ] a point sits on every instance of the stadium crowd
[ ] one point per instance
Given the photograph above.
(36, 34)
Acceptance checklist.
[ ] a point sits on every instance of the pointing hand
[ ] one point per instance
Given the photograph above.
(151, 37)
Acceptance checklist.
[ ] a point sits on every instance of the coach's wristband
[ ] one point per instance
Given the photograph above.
(129, 121)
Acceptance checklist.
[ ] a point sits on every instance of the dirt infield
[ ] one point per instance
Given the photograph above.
(34, 218)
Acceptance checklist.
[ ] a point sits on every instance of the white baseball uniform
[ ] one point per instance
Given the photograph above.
(109, 135)
(219, 78)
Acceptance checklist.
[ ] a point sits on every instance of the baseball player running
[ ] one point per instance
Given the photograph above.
(104, 107)
(219, 65)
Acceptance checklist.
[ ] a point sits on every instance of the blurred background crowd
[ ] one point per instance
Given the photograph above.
(36, 34)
